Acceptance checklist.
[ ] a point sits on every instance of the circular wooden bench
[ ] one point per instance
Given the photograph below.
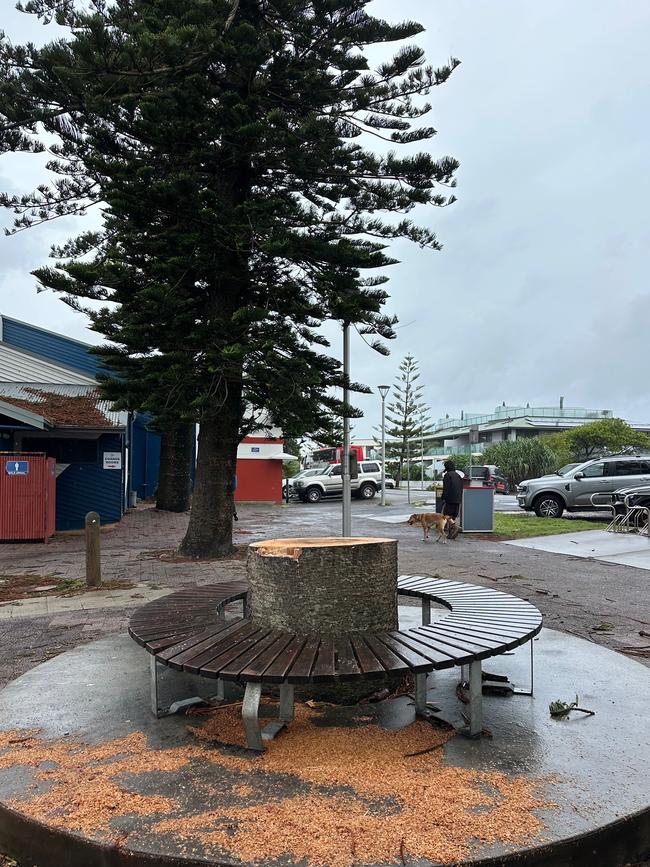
(186, 632)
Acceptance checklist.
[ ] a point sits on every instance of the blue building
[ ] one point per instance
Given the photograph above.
(49, 402)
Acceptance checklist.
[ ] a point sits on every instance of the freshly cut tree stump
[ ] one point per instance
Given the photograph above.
(326, 585)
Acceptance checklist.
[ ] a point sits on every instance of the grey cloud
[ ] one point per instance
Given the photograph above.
(541, 289)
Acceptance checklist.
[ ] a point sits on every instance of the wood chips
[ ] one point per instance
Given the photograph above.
(334, 795)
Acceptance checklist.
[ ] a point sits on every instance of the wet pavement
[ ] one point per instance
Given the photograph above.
(593, 769)
(604, 602)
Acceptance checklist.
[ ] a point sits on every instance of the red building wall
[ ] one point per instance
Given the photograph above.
(259, 480)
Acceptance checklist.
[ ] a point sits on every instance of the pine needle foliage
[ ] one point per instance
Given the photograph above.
(244, 156)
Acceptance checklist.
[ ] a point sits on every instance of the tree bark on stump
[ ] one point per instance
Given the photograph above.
(328, 586)
(175, 480)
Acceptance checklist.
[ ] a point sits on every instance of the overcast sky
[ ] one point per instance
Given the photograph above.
(541, 289)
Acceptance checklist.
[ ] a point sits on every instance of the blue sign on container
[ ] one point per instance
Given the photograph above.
(17, 468)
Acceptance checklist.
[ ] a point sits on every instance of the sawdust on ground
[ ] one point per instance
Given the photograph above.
(359, 795)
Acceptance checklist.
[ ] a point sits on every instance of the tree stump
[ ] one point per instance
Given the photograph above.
(328, 586)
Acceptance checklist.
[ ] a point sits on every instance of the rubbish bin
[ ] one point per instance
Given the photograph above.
(477, 510)
(27, 496)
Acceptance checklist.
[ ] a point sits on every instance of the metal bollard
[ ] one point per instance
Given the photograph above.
(93, 550)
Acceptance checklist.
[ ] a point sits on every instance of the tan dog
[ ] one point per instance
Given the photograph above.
(431, 519)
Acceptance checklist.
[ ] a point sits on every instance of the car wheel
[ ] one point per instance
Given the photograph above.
(549, 506)
(367, 492)
(314, 495)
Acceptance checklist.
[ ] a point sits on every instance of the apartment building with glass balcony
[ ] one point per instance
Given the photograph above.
(452, 435)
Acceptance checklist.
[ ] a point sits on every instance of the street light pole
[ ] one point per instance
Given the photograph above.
(408, 470)
(422, 451)
(345, 463)
(383, 391)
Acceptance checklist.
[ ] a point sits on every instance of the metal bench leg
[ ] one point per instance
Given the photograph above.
(420, 693)
(175, 706)
(250, 716)
(426, 612)
(287, 707)
(153, 684)
(475, 699)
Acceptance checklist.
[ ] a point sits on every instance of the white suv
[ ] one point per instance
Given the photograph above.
(330, 483)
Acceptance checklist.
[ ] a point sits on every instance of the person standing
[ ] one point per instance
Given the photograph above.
(452, 495)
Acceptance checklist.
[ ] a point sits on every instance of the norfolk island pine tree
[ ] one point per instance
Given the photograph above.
(241, 211)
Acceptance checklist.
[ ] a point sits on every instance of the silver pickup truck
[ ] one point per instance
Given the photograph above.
(330, 483)
(582, 487)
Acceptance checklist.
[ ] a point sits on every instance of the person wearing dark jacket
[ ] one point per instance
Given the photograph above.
(452, 495)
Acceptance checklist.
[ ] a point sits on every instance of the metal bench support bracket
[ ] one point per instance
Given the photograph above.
(175, 706)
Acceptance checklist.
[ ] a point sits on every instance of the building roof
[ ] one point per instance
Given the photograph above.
(50, 346)
(506, 417)
(18, 365)
(77, 406)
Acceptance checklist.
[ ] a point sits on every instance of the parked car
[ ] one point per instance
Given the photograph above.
(624, 498)
(329, 483)
(303, 474)
(576, 489)
(492, 476)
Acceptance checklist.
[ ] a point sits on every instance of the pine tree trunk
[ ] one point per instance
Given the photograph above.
(175, 481)
(209, 533)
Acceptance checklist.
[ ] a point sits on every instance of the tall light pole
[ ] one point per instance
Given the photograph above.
(422, 450)
(345, 463)
(408, 470)
(383, 391)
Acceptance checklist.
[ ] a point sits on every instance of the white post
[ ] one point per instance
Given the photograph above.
(345, 464)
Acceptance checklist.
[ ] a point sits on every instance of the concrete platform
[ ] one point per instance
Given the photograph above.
(594, 770)
(625, 549)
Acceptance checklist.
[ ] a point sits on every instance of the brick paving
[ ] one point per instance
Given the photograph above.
(598, 601)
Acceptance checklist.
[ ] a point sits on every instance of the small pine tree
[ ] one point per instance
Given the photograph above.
(407, 417)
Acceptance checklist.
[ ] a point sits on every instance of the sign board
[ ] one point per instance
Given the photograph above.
(255, 450)
(112, 460)
(473, 433)
(17, 468)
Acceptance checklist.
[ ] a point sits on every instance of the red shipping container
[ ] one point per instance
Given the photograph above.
(27, 496)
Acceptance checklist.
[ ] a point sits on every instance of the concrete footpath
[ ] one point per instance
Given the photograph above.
(603, 602)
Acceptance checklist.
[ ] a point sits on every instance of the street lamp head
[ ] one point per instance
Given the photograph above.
(383, 390)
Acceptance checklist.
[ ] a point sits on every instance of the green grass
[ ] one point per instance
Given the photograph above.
(523, 526)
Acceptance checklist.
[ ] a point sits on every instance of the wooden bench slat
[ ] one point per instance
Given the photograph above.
(280, 667)
(232, 652)
(240, 632)
(482, 628)
(156, 647)
(478, 635)
(324, 665)
(346, 663)
(467, 644)
(182, 656)
(233, 670)
(414, 659)
(177, 633)
(439, 657)
(258, 668)
(301, 669)
(384, 654)
(369, 665)
(191, 641)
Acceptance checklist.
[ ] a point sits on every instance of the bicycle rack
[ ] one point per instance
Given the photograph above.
(635, 519)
